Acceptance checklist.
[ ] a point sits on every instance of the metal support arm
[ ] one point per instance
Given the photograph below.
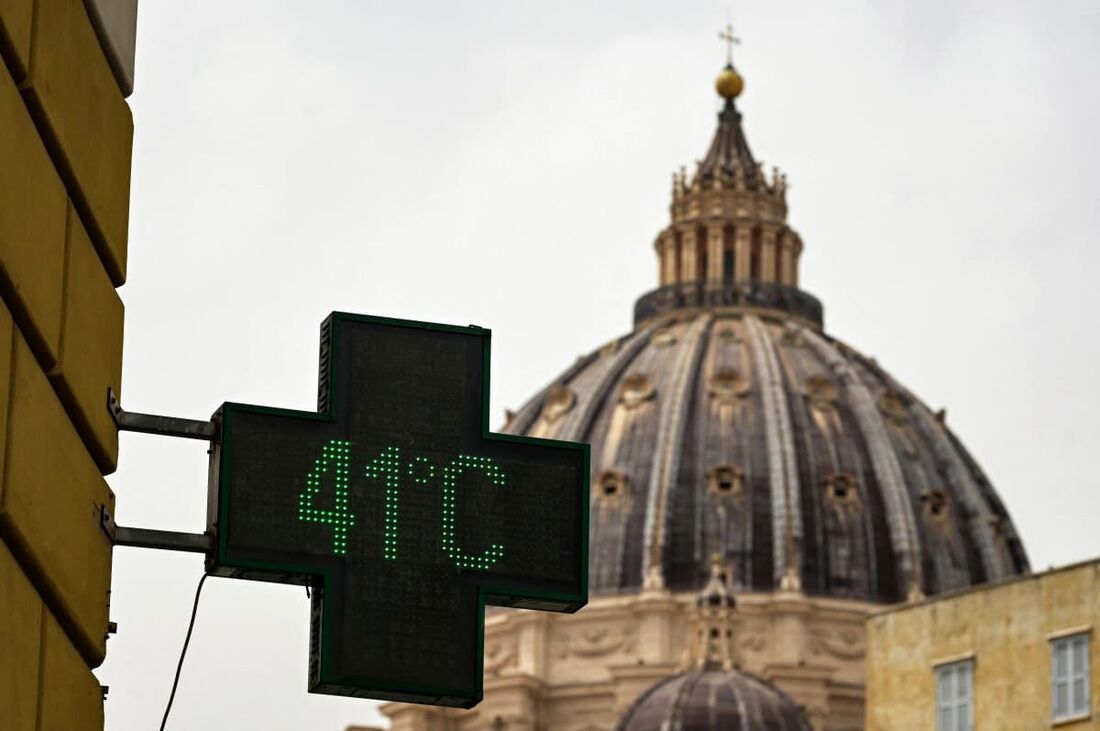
(167, 540)
(172, 426)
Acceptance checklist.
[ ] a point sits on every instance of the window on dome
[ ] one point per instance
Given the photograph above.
(611, 485)
(842, 491)
(935, 504)
(724, 480)
(1069, 677)
(955, 696)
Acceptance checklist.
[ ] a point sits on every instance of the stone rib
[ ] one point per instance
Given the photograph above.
(993, 559)
(904, 537)
(782, 468)
(670, 434)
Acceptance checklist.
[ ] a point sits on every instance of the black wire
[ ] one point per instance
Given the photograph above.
(183, 652)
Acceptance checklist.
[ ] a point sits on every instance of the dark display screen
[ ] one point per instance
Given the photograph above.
(401, 510)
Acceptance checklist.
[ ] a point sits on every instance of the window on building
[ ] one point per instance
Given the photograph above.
(1069, 676)
(955, 696)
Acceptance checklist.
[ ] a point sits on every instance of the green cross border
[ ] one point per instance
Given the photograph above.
(248, 502)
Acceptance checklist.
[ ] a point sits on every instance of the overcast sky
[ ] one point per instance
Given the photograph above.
(507, 164)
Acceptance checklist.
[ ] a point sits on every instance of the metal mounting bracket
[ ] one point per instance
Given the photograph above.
(166, 540)
(171, 426)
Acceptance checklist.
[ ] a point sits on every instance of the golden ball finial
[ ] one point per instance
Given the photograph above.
(729, 83)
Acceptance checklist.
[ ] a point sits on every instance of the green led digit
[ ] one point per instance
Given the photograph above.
(460, 464)
(335, 454)
(387, 467)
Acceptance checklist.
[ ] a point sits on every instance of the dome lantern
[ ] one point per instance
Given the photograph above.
(728, 240)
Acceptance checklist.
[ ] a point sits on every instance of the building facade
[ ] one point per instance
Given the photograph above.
(1017, 654)
(739, 451)
(65, 140)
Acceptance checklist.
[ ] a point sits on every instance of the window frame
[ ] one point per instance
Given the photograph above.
(1070, 641)
(950, 672)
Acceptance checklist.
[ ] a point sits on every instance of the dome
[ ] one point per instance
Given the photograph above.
(752, 434)
(730, 422)
(714, 699)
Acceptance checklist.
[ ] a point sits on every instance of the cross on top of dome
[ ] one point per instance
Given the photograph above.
(730, 39)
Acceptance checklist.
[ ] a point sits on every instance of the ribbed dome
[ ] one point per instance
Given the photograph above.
(704, 700)
(728, 423)
(753, 435)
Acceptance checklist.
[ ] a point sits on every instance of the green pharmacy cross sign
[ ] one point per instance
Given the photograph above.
(400, 510)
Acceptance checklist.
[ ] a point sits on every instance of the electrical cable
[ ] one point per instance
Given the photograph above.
(183, 652)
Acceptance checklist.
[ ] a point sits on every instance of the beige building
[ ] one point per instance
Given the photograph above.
(1017, 654)
(759, 488)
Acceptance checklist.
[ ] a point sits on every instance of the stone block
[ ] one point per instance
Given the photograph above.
(50, 501)
(86, 122)
(70, 696)
(15, 35)
(32, 226)
(20, 636)
(89, 360)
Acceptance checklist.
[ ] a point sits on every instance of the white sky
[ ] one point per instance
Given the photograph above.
(507, 164)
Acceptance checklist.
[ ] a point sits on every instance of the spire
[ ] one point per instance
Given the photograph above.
(729, 155)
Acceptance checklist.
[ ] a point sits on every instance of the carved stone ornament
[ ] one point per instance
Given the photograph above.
(635, 390)
(559, 402)
(597, 641)
(753, 637)
(664, 337)
(729, 336)
(500, 655)
(792, 334)
(894, 405)
(610, 349)
(847, 643)
(820, 392)
(727, 386)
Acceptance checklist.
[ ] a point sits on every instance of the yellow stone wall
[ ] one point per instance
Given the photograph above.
(65, 140)
(1006, 628)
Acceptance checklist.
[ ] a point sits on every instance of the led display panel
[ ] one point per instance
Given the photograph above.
(400, 510)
